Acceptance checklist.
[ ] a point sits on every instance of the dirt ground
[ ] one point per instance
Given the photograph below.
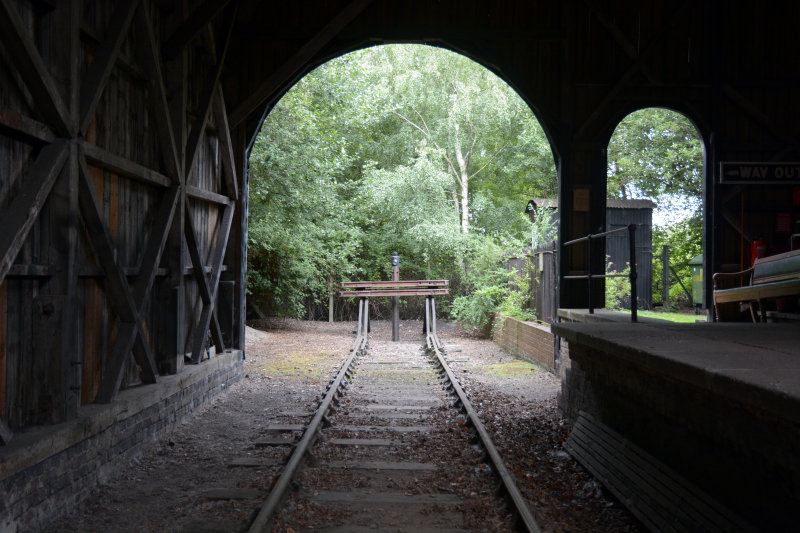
(193, 480)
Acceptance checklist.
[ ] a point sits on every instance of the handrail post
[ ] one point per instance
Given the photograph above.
(633, 273)
(589, 277)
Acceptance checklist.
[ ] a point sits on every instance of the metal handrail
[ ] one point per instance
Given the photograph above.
(631, 229)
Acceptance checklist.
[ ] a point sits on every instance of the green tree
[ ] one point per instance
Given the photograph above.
(657, 153)
(299, 233)
(392, 148)
(490, 143)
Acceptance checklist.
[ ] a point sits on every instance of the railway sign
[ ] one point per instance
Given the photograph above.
(761, 173)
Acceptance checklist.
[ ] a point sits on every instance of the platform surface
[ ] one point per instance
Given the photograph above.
(756, 364)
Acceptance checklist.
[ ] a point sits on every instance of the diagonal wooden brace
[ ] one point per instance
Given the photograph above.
(104, 59)
(18, 219)
(119, 295)
(23, 52)
(206, 294)
(216, 269)
(151, 61)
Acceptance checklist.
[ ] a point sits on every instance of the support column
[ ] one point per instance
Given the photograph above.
(665, 261)
(171, 291)
(582, 206)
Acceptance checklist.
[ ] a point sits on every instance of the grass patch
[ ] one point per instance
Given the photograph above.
(685, 318)
(314, 365)
(513, 369)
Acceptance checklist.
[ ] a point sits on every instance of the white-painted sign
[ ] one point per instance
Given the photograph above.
(764, 173)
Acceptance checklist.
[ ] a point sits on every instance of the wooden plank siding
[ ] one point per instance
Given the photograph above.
(123, 126)
(3, 347)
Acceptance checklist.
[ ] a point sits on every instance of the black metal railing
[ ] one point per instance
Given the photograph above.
(631, 229)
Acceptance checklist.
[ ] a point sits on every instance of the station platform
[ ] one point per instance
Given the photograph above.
(719, 403)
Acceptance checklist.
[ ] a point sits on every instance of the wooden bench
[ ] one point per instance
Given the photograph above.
(776, 276)
(366, 289)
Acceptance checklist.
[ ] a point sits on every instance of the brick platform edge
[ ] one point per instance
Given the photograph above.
(45, 473)
(530, 341)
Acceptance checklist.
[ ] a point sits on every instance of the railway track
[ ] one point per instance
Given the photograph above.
(395, 445)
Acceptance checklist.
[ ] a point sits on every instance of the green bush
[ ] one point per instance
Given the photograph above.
(618, 289)
(494, 290)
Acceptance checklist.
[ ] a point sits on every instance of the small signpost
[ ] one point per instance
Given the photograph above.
(396, 302)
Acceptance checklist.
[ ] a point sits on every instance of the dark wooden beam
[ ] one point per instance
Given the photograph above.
(206, 293)
(226, 146)
(125, 63)
(104, 59)
(207, 196)
(622, 40)
(24, 128)
(31, 271)
(105, 159)
(197, 20)
(756, 114)
(17, 220)
(209, 309)
(665, 30)
(28, 62)
(129, 327)
(206, 101)
(283, 73)
(151, 60)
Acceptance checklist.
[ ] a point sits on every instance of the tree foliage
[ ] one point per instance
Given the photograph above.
(657, 153)
(403, 148)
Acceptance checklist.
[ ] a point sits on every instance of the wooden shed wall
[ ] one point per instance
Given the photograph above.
(618, 248)
(62, 312)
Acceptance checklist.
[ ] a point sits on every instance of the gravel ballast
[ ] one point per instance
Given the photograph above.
(210, 474)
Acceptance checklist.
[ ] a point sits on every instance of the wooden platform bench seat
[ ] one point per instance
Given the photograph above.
(776, 276)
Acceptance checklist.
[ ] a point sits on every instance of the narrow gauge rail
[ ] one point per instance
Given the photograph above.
(398, 401)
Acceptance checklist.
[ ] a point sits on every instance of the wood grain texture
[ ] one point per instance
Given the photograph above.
(3, 347)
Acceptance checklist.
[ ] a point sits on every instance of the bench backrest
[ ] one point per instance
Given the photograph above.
(777, 267)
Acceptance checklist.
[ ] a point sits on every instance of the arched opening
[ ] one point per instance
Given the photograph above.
(397, 148)
(655, 180)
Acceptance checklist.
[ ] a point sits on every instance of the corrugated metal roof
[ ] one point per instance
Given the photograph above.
(613, 203)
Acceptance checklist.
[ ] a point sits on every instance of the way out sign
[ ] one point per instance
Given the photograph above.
(765, 173)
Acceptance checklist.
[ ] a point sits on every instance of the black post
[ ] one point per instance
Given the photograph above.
(633, 276)
(396, 302)
(665, 261)
(589, 277)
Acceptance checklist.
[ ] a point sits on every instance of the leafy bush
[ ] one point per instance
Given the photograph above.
(618, 289)
(494, 289)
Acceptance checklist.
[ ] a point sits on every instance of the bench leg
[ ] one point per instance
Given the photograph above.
(753, 312)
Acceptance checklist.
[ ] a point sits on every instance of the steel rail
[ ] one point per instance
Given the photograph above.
(262, 522)
(508, 480)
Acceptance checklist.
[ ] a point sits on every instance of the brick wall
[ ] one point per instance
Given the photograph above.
(45, 473)
(530, 341)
